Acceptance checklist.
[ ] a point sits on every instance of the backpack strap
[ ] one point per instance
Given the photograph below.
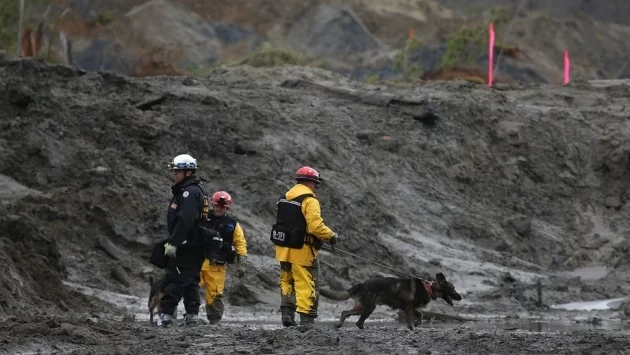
(311, 240)
(302, 197)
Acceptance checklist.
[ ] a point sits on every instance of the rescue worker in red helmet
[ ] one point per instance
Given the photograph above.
(234, 249)
(298, 234)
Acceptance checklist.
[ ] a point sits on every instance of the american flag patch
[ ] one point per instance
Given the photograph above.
(173, 205)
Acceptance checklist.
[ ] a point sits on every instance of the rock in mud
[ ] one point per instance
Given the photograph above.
(331, 30)
(425, 113)
(461, 172)
(129, 317)
(613, 202)
(521, 224)
(242, 295)
(125, 228)
(20, 95)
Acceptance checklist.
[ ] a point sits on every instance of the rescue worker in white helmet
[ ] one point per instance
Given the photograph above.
(184, 250)
(298, 234)
(234, 249)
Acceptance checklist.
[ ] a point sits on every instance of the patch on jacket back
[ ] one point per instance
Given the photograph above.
(174, 205)
(230, 227)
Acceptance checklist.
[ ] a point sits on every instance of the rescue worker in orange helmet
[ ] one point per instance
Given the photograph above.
(298, 234)
(234, 249)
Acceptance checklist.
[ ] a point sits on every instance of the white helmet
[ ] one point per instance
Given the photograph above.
(183, 162)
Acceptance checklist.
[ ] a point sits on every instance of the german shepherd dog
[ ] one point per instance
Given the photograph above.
(155, 296)
(405, 294)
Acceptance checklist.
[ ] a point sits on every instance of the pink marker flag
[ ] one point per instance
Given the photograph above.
(567, 68)
(490, 53)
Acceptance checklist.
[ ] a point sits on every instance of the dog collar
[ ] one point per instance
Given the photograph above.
(429, 288)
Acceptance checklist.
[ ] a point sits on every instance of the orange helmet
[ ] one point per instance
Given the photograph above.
(307, 173)
(222, 198)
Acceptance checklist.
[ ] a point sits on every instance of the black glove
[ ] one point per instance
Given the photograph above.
(334, 239)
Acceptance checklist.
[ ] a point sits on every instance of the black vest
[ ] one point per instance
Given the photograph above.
(226, 226)
(290, 228)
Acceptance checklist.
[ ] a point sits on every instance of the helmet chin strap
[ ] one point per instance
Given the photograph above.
(224, 214)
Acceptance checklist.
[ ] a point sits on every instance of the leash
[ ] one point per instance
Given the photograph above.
(332, 249)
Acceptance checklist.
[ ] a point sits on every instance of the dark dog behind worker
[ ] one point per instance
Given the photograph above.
(234, 249)
(184, 250)
(155, 296)
(298, 234)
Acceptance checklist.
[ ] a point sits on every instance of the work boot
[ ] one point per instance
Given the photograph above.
(307, 320)
(191, 320)
(288, 315)
(165, 320)
(214, 311)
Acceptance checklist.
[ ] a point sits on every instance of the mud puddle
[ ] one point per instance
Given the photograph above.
(611, 303)
(567, 317)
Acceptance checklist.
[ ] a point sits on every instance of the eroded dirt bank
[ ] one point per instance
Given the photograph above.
(494, 188)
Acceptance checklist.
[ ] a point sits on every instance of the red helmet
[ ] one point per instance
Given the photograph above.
(307, 173)
(222, 198)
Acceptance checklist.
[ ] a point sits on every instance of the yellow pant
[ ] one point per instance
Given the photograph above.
(213, 280)
(299, 284)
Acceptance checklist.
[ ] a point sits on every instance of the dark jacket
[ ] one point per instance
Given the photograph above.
(183, 213)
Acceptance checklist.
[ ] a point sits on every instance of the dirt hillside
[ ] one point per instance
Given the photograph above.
(356, 38)
(448, 177)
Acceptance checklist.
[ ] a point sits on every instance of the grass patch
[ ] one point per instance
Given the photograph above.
(267, 56)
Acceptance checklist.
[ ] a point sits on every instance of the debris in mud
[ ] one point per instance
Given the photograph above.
(19, 95)
(129, 317)
(111, 248)
(149, 103)
(521, 224)
(125, 229)
(425, 114)
(507, 277)
(120, 275)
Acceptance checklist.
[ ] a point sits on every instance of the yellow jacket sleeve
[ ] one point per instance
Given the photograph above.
(238, 240)
(314, 221)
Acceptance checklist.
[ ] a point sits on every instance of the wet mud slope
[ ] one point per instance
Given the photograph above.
(494, 188)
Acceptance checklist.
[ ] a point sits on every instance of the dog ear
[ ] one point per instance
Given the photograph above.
(440, 277)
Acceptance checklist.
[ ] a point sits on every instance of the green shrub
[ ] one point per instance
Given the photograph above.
(401, 62)
(267, 56)
(466, 45)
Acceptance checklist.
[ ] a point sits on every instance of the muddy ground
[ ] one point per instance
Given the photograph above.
(497, 189)
(93, 336)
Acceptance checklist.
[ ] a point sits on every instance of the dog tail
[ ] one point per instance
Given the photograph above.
(334, 295)
(339, 295)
